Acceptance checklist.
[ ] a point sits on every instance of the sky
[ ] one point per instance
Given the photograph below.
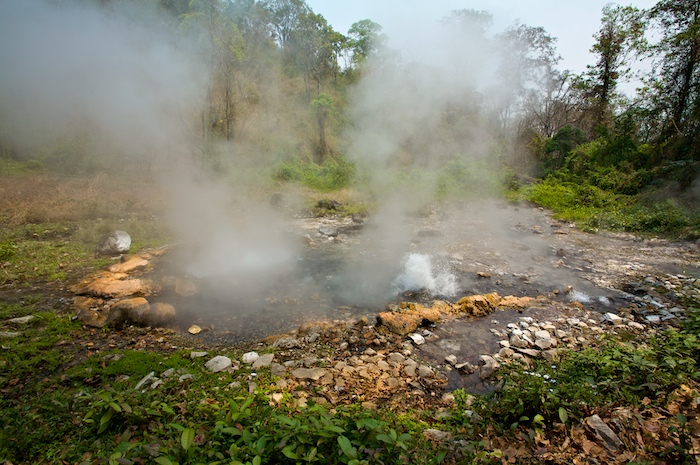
(572, 22)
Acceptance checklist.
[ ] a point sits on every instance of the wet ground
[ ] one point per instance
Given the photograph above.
(471, 248)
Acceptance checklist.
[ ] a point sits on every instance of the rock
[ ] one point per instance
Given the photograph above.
(194, 329)
(436, 435)
(465, 367)
(130, 264)
(395, 357)
(408, 317)
(635, 325)
(417, 339)
(518, 341)
(610, 440)
(9, 334)
(515, 303)
(113, 285)
(451, 359)
(328, 231)
(114, 243)
(148, 378)
(218, 363)
(185, 288)
(263, 361)
(488, 366)
(612, 318)
(425, 372)
(287, 343)
(159, 314)
(194, 355)
(478, 305)
(128, 311)
(313, 374)
(250, 357)
(655, 319)
(21, 320)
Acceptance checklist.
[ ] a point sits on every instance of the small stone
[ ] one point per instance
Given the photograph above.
(635, 325)
(287, 343)
(655, 319)
(185, 377)
(148, 378)
(168, 373)
(250, 357)
(610, 440)
(218, 363)
(395, 357)
(425, 372)
(417, 339)
(21, 320)
(194, 329)
(263, 361)
(612, 318)
(436, 435)
(313, 374)
(451, 359)
(9, 334)
(194, 355)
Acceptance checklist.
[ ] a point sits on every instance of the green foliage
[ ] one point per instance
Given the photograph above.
(615, 373)
(464, 176)
(8, 250)
(331, 175)
(242, 430)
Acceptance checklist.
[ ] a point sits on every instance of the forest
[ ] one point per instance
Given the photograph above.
(281, 90)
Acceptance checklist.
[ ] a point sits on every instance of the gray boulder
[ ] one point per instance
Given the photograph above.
(114, 243)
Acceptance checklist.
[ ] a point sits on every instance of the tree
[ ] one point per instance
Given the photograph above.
(285, 16)
(322, 106)
(528, 58)
(365, 40)
(313, 47)
(621, 35)
(675, 84)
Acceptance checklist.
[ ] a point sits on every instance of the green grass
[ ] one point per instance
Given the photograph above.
(332, 175)
(593, 208)
(57, 251)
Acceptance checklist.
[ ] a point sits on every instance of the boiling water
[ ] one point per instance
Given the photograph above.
(419, 274)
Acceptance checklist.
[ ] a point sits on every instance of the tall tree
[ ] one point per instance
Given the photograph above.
(365, 39)
(285, 17)
(676, 81)
(620, 36)
(528, 57)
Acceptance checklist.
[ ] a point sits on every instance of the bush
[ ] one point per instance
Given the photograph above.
(331, 175)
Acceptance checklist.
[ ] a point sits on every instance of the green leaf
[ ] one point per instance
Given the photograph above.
(162, 460)
(187, 438)
(115, 406)
(257, 460)
(346, 447)
(563, 415)
(538, 419)
(289, 452)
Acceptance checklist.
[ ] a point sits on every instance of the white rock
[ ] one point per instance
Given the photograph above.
(218, 363)
(612, 318)
(653, 318)
(417, 339)
(263, 361)
(250, 357)
(635, 325)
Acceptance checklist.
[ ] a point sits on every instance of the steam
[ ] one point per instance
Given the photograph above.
(420, 274)
(70, 68)
(118, 79)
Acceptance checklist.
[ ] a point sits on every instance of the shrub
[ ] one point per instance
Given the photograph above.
(331, 175)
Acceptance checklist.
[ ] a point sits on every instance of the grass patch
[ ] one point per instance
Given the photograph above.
(592, 208)
(332, 175)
